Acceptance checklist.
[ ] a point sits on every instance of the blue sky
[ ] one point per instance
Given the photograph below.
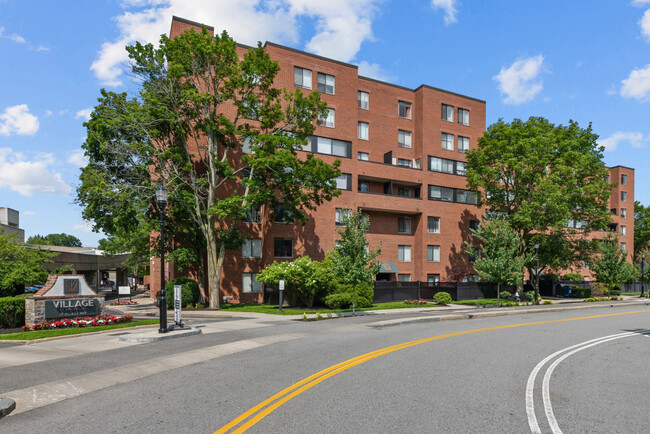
(583, 60)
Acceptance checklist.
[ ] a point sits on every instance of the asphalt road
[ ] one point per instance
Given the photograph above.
(482, 375)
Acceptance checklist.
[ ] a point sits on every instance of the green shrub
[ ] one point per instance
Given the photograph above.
(189, 292)
(615, 292)
(549, 276)
(442, 298)
(599, 288)
(581, 292)
(573, 277)
(505, 294)
(529, 296)
(342, 298)
(12, 312)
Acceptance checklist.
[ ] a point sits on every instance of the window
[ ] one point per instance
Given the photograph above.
(460, 168)
(623, 213)
(432, 279)
(441, 193)
(363, 100)
(403, 225)
(326, 83)
(404, 109)
(328, 121)
(404, 253)
(433, 225)
(283, 247)
(363, 156)
(613, 211)
(463, 144)
(447, 113)
(474, 224)
(403, 162)
(623, 179)
(623, 230)
(465, 196)
(252, 248)
(404, 192)
(606, 179)
(363, 130)
(403, 277)
(253, 214)
(463, 116)
(341, 214)
(447, 141)
(624, 247)
(623, 196)
(441, 165)
(250, 283)
(433, 253)
(332, 147)
(282, 215)
(404, 138)
(363, 187)
(344, 181)
(302, 77)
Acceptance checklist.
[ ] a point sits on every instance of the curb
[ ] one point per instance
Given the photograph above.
(7, 405)
(56, 338)
(154, 337)
(475, 315)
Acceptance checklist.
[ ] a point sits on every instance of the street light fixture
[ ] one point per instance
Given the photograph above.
(161, 199)
(537, 273)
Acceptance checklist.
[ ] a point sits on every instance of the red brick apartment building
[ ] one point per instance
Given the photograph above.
(402, 155)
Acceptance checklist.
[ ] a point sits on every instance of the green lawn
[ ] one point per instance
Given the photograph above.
(483, 302)
(41, 334)
(274, 308)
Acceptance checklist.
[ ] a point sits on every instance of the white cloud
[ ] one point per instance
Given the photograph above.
(28, 177)
(374, 70)
(640, 2)
(519, 82)
(84, 114)
(637, 85)
(29, 213)
(42, 48)
(17, 120)
(449, 6)
(341, 26)
(13, 37)
(86, 227)
(644, 23)
(636, 140)
(78, 158)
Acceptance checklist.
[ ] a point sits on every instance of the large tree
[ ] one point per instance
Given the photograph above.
(210, 126)
(20, 265)
(64, 240)
(610, 265)
(641, 229)
(498, 259)
(543, 178)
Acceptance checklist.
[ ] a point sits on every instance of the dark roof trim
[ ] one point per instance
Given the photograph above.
(623, 167)
(421, 86)
(273, 44)
(192, 23)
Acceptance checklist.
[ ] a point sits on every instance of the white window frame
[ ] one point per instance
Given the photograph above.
(403, 277)
(325, 83)
(404, 109)
(344, 181)
(623, 230)
(447, 112)
(447, 141)
(623, 213)
(623, 179)
(463, 144)
(363, 100)
(433, 278)
(433, 253)
(252, 248)
(363, 130)
(463, 116)
(363, 156)
(623, 196)
(436, 223)
(404, 139)
(300, 72)
(329, 120)
(340, 214)
(250, 283)
(403, 253)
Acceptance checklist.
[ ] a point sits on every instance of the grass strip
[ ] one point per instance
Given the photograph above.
(42, 334)
(274, 308)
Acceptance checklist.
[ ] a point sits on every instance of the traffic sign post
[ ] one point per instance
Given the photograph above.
(281, 287)
(177, 305)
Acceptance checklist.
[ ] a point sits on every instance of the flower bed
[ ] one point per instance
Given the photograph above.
(420, 301)
(85, 321)
(123, 303)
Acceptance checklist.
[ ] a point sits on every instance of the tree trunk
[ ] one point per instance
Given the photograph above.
(214, 268)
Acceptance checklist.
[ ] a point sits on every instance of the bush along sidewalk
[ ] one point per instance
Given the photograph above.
(86, 321)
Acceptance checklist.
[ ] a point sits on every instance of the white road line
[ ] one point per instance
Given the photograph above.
(530, 385)
(546, 394)
(38, 396)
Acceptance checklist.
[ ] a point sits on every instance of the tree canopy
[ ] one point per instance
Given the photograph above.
(208, 125)
(64, 240)
(641, 229)
(20, 265)
(610, 265)
(547, 180)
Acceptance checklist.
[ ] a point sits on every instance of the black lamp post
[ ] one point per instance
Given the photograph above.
(642, 273)
(537, 273)
(161, 198)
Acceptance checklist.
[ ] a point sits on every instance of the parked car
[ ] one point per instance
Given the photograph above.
(30, 289)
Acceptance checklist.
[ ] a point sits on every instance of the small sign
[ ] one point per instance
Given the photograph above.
(71, 286)
(71, 307)
(281, 285)
(177, 304)
(124, 290)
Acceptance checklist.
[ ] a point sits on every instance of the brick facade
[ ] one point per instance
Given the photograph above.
(380, 185)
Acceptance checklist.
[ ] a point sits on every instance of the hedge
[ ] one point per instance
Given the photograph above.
(12, 312)
(189, 292)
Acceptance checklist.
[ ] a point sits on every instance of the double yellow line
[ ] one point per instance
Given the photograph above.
(267, 406)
